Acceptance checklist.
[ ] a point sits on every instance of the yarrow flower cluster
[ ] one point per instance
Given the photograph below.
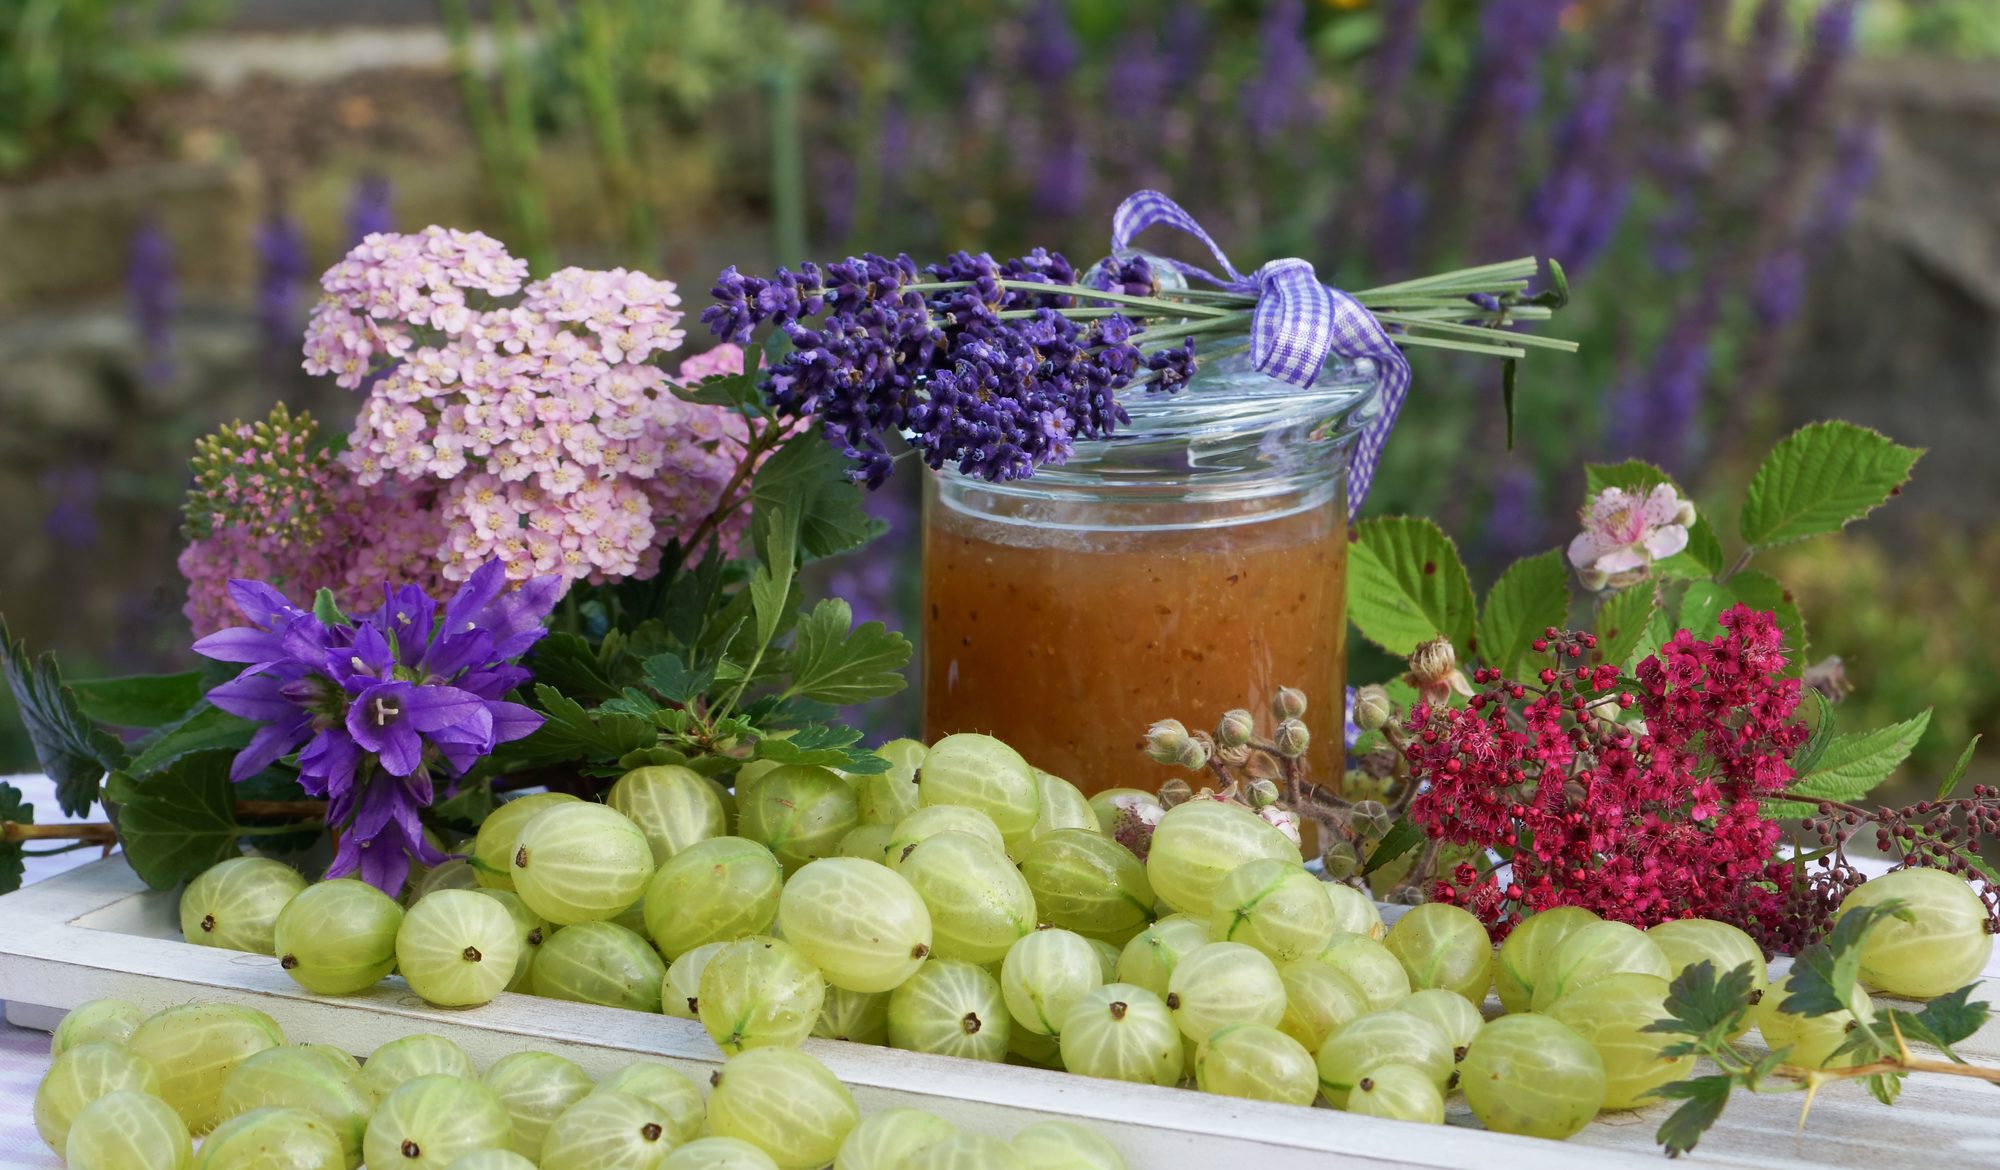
(553, 442)
(375, 706)
(996, 396)
(270, 503)
(1641, 822)
(1624, 532)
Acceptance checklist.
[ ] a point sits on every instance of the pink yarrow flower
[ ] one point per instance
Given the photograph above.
(1624, 532)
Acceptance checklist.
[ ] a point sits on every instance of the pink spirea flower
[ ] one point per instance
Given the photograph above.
(1640, 822)
(550, 438)
(1624, 532)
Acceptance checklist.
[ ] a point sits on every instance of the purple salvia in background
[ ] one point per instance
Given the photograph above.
(1514, 525)
(1050, 53)
(1186, 40)
(281, 267)
(152, 291)
(1388, 74)
(1572, 214)
(1671, 408)
(369, 209)
(1278, 97)
(1852, 170)
(1762, 80)
(73, 491)
(1062, 181)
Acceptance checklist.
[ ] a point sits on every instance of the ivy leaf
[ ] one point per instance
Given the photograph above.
(1957, 772)
(178, 822)
(674, 681)
(1851, 766)
(1821, 478)
(806, 481)
(568, 732)
(830, 663)
(1824, 975)
(1945, 1021)
(1406, 585)
(140, 700)
(13, 859)
(1622, 619)
(1402, 837)
(1702, 1100)
(73, 751)
(204, 729)
(1531, 596)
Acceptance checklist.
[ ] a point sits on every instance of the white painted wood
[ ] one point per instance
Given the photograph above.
(98, 932)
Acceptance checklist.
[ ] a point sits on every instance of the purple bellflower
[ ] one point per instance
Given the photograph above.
(374, 707)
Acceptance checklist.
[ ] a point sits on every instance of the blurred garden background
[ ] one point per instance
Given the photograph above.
(1771, 211)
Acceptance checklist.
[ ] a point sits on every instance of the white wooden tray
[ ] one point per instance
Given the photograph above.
(97, 931)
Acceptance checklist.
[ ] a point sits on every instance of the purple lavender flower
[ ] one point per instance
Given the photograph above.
(1852, 170)
(373, 707)
(369, 209)
(1278, 98)
(153, 291)
(1051, 52)
(281, 258)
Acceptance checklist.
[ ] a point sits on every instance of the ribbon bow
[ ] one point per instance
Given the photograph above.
(1297, 325)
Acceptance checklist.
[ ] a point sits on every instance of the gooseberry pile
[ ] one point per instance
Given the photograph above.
(132, 1092)
(964, 903)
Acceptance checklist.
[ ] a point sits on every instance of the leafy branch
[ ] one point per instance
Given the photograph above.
(1705, 1008)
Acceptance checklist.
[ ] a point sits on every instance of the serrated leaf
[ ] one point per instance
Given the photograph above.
(1702, 1101)
(1531, 596)
(829, 663)
(1825, 722)
(568, 732)
(140, 700)
(674, 681)
(1631, 475)
(806, 480)
(1885, 1087)
(1825, 975)
(822, 746)
(181, 820)
(1703, 602)
(1957, 773)
(1406, 585)
(1402, 837)
(1622, 620)
(569, 663)
(73, 751)
(1701, 558)
(1702, 1002)
(13, 859)
(1851, 766)
(204, 729)
(771, 586)
(1821, 478)
(738, 391)
(1945, 1021)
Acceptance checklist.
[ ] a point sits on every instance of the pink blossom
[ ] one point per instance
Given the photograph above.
(1624, 532)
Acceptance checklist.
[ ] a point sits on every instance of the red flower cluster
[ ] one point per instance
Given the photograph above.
(1637, 822)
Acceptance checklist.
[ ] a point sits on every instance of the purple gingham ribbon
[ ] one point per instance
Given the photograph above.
(1297, 324)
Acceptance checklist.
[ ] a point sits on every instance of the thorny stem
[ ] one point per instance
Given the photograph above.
(13, 832)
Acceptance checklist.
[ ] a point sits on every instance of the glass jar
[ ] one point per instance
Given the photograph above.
(1192, 563)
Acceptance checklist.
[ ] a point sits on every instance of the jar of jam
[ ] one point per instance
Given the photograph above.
(1193, 562)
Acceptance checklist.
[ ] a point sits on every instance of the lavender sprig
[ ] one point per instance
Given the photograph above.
(1000, 368)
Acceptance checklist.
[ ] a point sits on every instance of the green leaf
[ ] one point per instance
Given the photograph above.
(1531, 596)
(1824, 975)
(73, 751)
(806, 480)
(1402, 837)
(1702, 1100)
(1631, 475)
(1701, 558)
(1508, 375)
(178, 822)
(569, 663)
(472, 804)
(327, 610)
(1851, 766)
(1825, 722)
(1622, 619)
(733, 390)
(771, 587)
(140, 700)
(1957, 772)
(206, 728)
(1704, 602)
(822, 746)
(830, 663)
(1945, 1021)
(1821, 478)
(1406, 585)
(674, 681)
(568, 732)
(13, 859)
(1705, 1004)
